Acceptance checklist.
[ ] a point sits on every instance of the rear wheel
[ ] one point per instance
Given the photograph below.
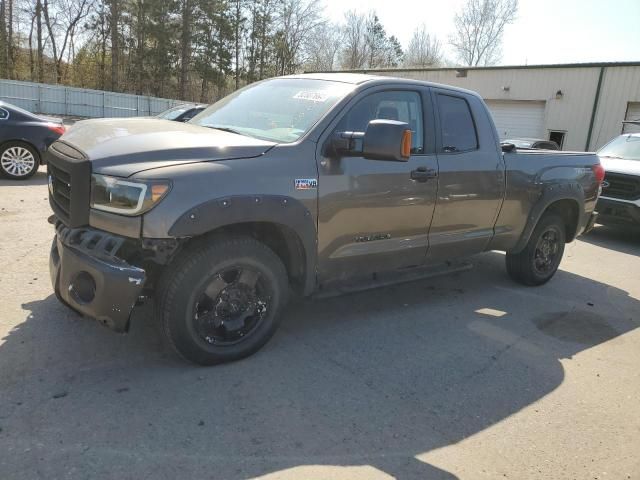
(222, 301)
(538, 262)
(18, 160)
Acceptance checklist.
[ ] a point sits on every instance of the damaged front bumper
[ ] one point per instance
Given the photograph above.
(89, 277)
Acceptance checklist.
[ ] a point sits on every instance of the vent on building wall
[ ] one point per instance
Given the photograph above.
(461, 73)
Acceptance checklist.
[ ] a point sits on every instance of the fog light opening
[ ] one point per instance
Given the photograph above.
(83, 288)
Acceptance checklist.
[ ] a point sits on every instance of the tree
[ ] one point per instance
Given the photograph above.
(95, 50)
(38, 15)
(366, 44)
(392, 53)
(7, 58)
(4, 37)
(356, 51)
(298, 20)
(187, 49)
(212, 46)
(423, 50)
(62, 20)
(479, 27)
(161, 52)
(237, 21)
(138, 19)
(114, 20)
(376, 41)
(185, 46)
(327, 41)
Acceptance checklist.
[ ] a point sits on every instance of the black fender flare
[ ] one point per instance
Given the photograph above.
(237, 209)
(550, 194)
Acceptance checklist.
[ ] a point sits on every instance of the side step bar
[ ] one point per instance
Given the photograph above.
(378, 280)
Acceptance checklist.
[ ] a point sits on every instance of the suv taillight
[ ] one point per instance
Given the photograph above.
(598, 171)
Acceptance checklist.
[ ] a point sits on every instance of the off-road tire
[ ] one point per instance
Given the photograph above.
(521, 266)
(177, 290)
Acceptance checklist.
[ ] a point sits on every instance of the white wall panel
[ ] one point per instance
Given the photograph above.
(517, 119)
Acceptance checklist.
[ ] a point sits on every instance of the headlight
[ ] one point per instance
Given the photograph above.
(112, 194)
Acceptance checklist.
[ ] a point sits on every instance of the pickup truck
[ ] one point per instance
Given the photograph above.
(619, 203)
(297, 185)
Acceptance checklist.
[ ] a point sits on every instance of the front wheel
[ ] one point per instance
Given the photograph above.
(222, 301)
(540, 259)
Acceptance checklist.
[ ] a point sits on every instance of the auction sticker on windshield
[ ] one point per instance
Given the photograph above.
(312, 96)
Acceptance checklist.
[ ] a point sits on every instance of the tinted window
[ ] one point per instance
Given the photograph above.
(396, 105)
(3, 114)
(189, 115)
(456, 123)
(18, 112)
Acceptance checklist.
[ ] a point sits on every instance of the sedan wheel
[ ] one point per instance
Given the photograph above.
(18, 161)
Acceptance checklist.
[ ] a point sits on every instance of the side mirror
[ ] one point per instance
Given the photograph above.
(383, 140)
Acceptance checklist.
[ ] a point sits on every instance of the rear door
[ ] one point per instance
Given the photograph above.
(372, 215)
(471, 181)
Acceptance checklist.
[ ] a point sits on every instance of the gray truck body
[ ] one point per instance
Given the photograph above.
(329, 218)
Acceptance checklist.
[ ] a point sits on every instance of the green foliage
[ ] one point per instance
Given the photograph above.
(196, 50)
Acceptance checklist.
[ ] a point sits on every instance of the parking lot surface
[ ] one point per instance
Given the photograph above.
(467, 376)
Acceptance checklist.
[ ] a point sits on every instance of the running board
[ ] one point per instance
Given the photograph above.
(378, 280)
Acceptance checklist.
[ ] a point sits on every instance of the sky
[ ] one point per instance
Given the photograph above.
(544, 31)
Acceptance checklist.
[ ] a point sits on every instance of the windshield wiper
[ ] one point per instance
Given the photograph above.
(225, 129)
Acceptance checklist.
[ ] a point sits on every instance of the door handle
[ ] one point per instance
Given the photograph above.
(422, 174)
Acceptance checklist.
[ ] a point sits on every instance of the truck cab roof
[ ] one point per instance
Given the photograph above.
(362, 78)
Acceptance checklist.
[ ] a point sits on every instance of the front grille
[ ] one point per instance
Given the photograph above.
(69, 184)
(60, 189)
(625, 187)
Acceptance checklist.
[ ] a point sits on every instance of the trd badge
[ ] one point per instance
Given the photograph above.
(306, 183)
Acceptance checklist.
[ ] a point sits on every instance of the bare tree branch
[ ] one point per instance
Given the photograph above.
(423, 50)
(479, 28)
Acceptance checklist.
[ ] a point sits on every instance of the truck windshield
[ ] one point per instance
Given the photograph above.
(624, 146)
(279, 110)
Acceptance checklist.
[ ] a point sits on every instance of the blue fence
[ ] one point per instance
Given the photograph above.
(80, 102)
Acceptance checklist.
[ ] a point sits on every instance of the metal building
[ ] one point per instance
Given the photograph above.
(581, 106)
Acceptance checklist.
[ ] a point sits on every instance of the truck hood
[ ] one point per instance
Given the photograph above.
(620, 165)
(125, 146)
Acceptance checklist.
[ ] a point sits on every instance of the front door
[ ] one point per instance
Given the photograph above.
(372, 215)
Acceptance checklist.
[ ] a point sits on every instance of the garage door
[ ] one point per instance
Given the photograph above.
(517, 119)
(633, 113)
